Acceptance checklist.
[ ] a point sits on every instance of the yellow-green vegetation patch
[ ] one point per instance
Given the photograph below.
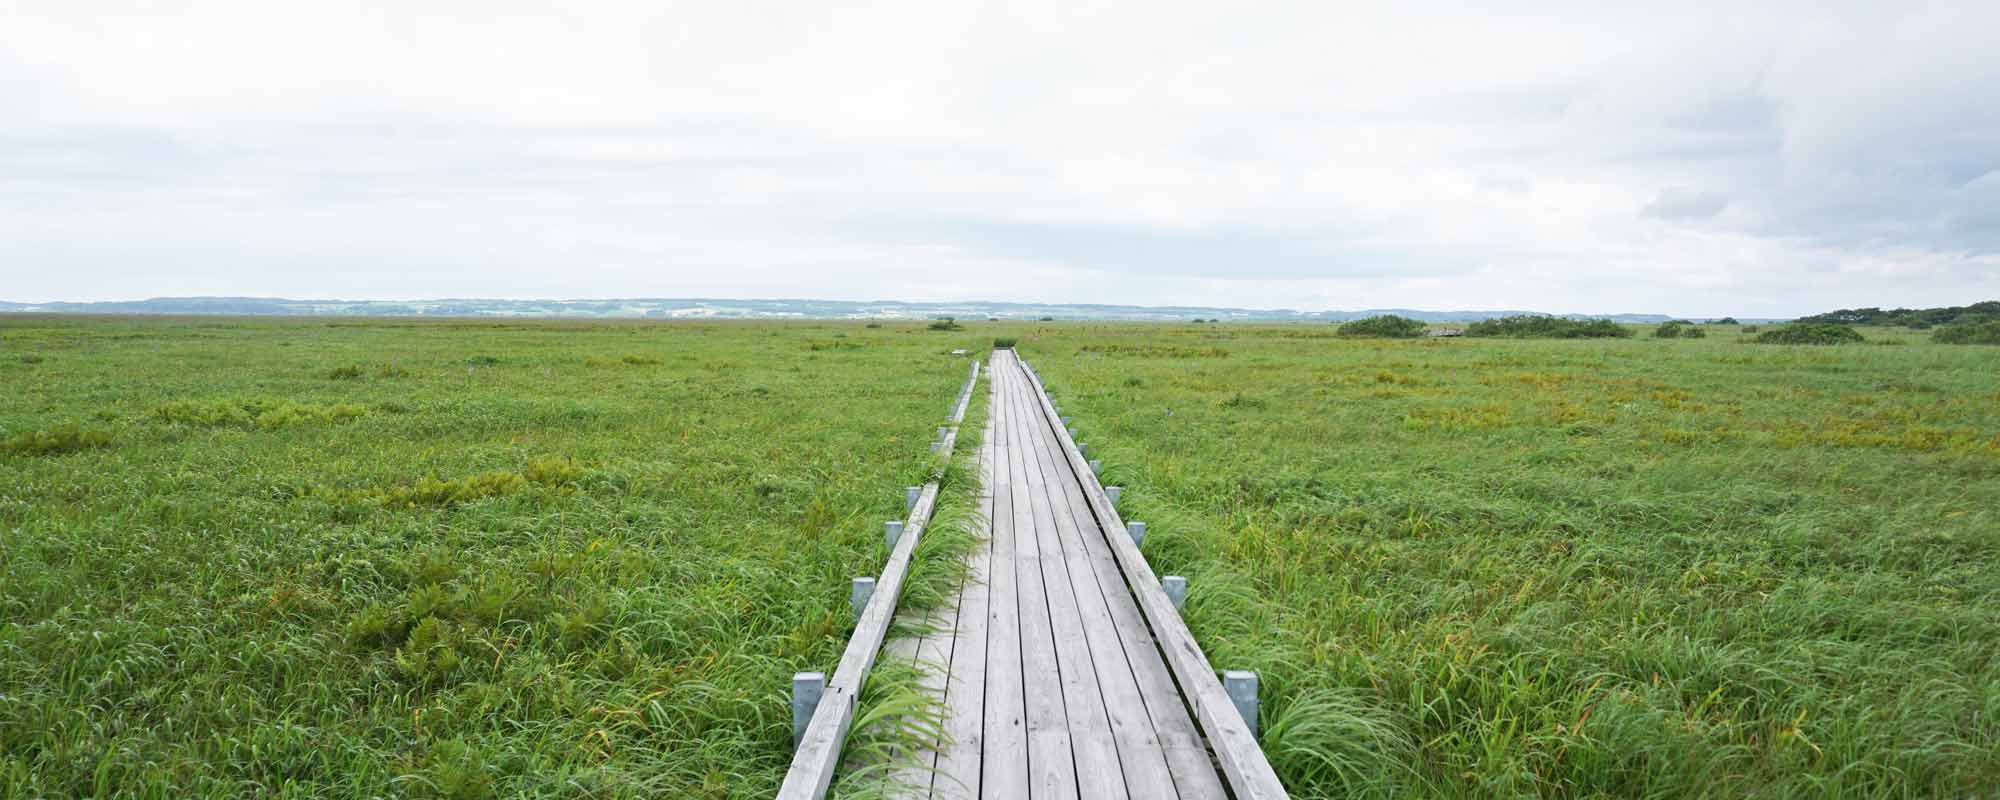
(1152, 351)
(355, 372)
(71, 438)
(554, 473)
(253, 413)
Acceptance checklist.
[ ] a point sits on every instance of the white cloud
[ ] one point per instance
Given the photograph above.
(1680, 158)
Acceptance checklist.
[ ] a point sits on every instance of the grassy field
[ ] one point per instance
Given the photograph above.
(351, 558)
(1625, 568)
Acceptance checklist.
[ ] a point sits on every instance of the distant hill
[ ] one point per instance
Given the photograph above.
(705, 308)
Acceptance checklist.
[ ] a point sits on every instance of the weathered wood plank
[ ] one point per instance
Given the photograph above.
(1187, 760)
(1051, 758)
(1134, 681)
(958, 758)
(1094, 750)
(1004, 771)
(1249, 773)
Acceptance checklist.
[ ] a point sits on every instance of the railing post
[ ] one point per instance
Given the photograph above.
(1241, 685)
(892, 532)
(910, 496)
(807, 688)
(1096, 466)
(1176, 588)
(1137, 530)
(1082, 448)
(859, 593)
(1113, 492)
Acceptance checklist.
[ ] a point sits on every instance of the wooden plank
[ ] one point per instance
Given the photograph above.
(1243, 763)
(1094, 750)
(1137, 692)
(818, 753)
(1051, 759)
(1004, 771)
(913, 779)
(956, 774)
(1159, 701)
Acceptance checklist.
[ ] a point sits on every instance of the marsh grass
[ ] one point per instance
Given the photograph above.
(511, 574)
(1599, 568)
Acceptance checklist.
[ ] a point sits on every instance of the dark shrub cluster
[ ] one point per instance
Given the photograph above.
(1003, 342)
(1533, 326)
(1982, 333)
(1911, 317)
(946, 324)
(1385, 326)
(1815, 333)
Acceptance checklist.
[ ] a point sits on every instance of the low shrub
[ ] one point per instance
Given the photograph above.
(1003, 342)
(1532, 326)
(1723, 321)
(1384, 326)
(642, 361)
(1679, 329)
(1981, 333)
(946, 324)
(31, 358)
(350, 372)
(54, 441)
(1811, 333)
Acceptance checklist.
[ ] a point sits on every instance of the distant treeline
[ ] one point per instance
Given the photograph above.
(1918, 318)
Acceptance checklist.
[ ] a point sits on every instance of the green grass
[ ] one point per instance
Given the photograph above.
(1604, 568)
(410, 558)
(349, 558)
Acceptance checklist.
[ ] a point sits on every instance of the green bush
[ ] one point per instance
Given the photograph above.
(1385, 326)
(1723, 321)
(1679, 329)
(1982, 333)
(1003, 342)
(946, 324)
(1811, 333)
(1533, 326)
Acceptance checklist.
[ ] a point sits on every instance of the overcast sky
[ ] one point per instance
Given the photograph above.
(1694, 159)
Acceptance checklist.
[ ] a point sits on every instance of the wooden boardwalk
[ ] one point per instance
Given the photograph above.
(1050, 664)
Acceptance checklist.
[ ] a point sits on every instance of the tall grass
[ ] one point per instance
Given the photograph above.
(512, 573)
